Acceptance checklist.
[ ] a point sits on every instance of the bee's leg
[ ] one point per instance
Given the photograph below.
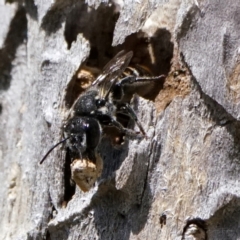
(126, 108)
(134, 79)
(127, 80)
(149, 79)
(107, 120)
(124, 130)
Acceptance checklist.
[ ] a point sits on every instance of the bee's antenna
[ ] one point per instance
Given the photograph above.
(64, 140)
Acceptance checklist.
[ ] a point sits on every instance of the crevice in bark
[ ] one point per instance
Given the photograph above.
(97, 26)
(154, 52)
(16, 35)
(155, 151)
(48, 236)
(153, 156)
(145, 184)
(69, 185)
(53, 212)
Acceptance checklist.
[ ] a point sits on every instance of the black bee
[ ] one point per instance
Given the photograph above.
(100, 105)
(112, 91)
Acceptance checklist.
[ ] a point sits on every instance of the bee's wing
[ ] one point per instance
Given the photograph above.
(112, 70)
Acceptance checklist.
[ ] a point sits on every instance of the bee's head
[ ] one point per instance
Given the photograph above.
(76, 132)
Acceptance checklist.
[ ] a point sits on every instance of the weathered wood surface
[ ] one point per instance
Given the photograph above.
(186, 172)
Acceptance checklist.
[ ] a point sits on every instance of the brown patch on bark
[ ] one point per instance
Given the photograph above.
(233, 84)
(177, 83)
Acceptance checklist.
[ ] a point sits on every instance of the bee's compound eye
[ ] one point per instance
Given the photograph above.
(101, 102)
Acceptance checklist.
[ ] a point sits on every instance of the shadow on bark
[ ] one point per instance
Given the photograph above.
(97, 26)
(225, 221)
(53, 19)
(31, 9)
(119, 212)
(16, 35)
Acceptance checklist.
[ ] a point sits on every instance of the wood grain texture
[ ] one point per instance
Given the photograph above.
(181, 182)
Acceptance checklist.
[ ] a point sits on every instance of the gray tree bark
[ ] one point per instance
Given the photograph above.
(182, 182)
